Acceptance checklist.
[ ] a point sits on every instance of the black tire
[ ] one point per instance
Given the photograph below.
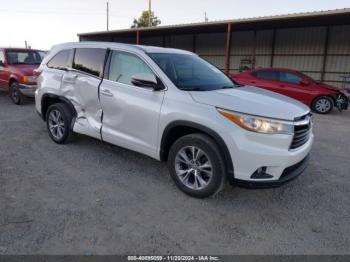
(327, 101)
(212, 152)
(66, 120)
(16, 96)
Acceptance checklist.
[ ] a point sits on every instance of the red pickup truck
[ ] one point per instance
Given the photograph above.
(17, 72)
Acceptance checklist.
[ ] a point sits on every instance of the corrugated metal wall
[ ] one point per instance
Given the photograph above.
(152, 41)
(263, 48)
(211, 47)
(338, 60)
(301, 49)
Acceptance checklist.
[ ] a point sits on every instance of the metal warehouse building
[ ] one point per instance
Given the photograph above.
(316, 43)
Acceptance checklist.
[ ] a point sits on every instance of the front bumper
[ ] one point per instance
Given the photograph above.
(251, 152)
(290, 173)
(342, 101)
(27, 90)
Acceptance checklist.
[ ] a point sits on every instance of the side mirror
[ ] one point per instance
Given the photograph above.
(304, 82)
(2, 63)
(146, 80)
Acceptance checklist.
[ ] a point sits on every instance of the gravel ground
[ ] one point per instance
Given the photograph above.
(93, 198)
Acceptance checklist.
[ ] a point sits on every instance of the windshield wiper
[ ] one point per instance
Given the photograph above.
(193, 89)
(227, 87)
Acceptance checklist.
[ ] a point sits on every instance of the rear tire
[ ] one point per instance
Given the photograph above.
(58, 122)
(16, 96)
(323, 105)
(197, 166)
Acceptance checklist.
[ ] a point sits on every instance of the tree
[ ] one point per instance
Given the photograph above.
(144, 20)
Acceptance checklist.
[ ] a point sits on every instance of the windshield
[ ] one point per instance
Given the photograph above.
(191, 73)
(23, 57)
(42, 54)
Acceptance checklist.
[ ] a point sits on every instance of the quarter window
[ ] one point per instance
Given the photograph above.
(268, 75)
(60, 60)
(89, 60)
(289, 77)
(124, 66)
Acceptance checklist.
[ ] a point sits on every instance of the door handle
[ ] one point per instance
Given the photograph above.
(106, 92)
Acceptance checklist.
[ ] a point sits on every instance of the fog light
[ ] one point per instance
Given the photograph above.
(260, 173)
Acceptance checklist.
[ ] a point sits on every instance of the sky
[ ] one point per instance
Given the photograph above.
(44, 23)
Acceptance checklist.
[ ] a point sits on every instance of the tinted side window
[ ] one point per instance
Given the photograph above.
(60, 60)
(124, 66)
(269, 75)
(89, 60)
(289, 77)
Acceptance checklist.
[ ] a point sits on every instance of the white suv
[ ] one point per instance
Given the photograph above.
(172, 105)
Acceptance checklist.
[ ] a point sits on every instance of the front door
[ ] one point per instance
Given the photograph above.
(130, 113)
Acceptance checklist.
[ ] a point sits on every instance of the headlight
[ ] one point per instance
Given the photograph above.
(29, 79)
(258, 124)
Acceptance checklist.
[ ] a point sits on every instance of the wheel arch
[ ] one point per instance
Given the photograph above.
(177, 129)
(12, 79)
(49, 99)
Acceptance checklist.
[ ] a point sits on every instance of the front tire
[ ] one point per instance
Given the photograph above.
(58, 122)
(16, 95)
(197, 166)
(323, 105)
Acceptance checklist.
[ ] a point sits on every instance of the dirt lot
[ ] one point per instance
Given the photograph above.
(92, 198)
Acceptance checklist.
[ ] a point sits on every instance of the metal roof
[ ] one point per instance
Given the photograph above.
(293, 16)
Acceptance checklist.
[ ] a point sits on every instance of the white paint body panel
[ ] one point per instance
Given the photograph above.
(136, 118)
(131, 117)
(82, 91)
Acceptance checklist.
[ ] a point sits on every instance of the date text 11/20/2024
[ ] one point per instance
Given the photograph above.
(173, 258)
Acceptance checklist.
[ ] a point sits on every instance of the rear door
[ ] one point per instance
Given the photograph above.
(130, 113)
(80, 84)
(267, 79)
(290, 83)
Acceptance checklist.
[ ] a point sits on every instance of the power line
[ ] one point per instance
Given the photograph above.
(107, 16)
(149, 13)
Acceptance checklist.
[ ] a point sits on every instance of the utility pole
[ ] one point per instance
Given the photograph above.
(149, 13)
(206, 19)
(107, 16)
(25, 44)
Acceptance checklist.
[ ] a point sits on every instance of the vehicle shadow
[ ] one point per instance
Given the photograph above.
(27, 100)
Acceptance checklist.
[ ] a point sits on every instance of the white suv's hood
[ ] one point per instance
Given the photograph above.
(254, 101)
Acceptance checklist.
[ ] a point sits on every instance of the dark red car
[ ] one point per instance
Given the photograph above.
(17, 72)
(320, 97)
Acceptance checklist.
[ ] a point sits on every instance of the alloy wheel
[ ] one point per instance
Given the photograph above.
(193, 167)
(323, 105)
(15, 95)
(56, 124)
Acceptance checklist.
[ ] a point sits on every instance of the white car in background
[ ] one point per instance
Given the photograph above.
(173, 106)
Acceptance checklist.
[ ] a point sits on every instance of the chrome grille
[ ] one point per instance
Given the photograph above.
(302, 132)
